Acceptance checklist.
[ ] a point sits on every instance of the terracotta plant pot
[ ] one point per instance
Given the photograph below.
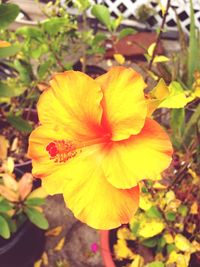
(134, 45)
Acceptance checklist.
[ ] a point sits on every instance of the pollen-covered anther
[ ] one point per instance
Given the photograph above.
(61, 150)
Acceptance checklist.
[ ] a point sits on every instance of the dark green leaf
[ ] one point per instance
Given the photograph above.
(171, 216)
(8, 13)
(4, 228)
(19, 123)
(9, 51)
(35, 201)
(37, 218)
(160, 244)
(170, 248)
(150, 242)
(102, 13)
(125, 32)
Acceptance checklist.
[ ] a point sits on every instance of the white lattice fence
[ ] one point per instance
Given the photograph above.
(130, 9)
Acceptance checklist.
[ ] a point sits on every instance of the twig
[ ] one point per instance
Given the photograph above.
(159, 35)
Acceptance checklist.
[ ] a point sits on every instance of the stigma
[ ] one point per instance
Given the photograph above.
(61, 151)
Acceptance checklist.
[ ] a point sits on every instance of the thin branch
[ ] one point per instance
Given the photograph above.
(159, 35)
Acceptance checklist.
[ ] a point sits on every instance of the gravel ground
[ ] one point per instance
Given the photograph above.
(76, 251)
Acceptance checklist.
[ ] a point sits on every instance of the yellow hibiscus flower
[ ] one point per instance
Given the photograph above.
(95, 144)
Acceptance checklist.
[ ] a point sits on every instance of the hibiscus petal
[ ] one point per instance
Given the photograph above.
(96, 202)
(143, 156)
(73, 100)
(124, 105)
(43, 167)
(54, 174)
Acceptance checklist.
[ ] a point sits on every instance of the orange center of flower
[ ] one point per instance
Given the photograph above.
(61, 150)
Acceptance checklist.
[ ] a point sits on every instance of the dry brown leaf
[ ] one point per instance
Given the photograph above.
(10, 182)
(8, 194)
(54, 231)
(3, 147)
(60, 244)
(38, 263)
(25, 185)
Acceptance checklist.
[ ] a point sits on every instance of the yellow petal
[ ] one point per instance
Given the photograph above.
(95, 201)
(143, 156)
(123, 103)
(73, 101)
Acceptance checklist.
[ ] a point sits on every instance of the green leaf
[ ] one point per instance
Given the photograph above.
(177, 123)
(19, 123)
(150, 242)
(5, 206)
(183, 210)
(170, 248)
(155, 264)
(153, 212)
(37, 218)
(25, 71)
(54, 25)
(135, 227)
(9, 51)
(99, 38)
(83, 4)
(171, 216)
(4, 228)
(43, 68)
(193, 51)
(10, 88)
(35, 201)
(11, 223)
(102, 13)
(160, 244)
(29, 32)
(8, 13)
(125, 32)
(176, 97)
(191, 125)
